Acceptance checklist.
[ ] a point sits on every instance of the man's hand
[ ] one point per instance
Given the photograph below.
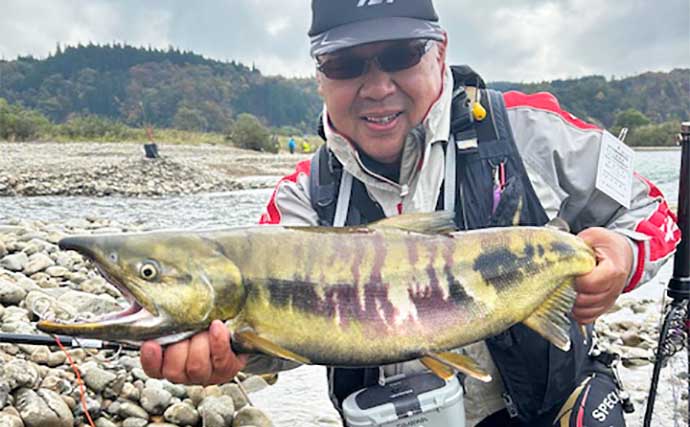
(204, 359)
(597, 291)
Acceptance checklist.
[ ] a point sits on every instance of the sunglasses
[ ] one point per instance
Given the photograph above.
(397, 57)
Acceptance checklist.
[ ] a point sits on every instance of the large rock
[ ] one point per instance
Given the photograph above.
(14, 262)
(19, 373)
(182, 414)
(38, 262)
(9, 420)
(10, 293)
(217, 411)
(155, 400)
(97, 379)
(43, 408)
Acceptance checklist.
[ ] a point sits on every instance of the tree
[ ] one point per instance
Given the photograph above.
(189, 119)
(631, 118)
(248, 132)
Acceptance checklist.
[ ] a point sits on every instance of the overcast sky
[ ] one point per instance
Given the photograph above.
(515, 40)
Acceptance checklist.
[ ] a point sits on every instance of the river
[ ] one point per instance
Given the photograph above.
(299, 398)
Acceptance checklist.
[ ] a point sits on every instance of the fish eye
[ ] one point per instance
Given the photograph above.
(148, 271)
(112, 257)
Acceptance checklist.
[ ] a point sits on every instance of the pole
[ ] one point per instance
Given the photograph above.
(674, 330)
(69, 341)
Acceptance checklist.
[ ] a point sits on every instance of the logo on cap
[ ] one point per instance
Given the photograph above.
(373, 2)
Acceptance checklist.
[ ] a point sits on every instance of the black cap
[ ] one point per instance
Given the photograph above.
(338, 24)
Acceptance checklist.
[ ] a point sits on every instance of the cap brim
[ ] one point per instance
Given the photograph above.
(374, 30)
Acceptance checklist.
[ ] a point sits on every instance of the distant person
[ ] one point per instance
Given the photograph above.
(306, 147)
(292, 145)
(412, 134)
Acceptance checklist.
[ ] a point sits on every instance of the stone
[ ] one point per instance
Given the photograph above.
(19, 373)
(43, 408)
(37, 263)
(14, 262)
(155, 400)
(104, 422)
(8, 420)
(135, 422)
(233, 390)
(130, 392)
(250, 415)
(97, 379)
(10, 293)
(182, 414)
(132, 410)
(217, 411)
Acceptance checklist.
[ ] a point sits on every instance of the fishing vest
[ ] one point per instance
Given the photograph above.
(536, 375)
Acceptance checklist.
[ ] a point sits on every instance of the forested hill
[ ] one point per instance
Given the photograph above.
(172, 88)
(660, 97)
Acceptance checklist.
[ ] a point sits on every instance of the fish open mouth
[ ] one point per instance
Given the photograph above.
(135, 314)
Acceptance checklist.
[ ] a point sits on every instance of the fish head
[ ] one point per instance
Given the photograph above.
(176, 284)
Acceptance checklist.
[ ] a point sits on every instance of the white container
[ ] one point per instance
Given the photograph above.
(421, 400)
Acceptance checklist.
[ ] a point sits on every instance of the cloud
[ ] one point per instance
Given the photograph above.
(520, 40)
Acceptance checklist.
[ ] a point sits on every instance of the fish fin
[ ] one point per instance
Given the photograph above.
(462, 363)
(250, 340)
(551, 321)
(440, 369)
(559, 224)
(439, 222)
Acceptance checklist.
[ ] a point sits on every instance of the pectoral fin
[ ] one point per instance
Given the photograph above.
(551, 321)
(441, 370)
(462, 363)
(251, 341)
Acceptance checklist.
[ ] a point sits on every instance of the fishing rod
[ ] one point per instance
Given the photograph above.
(674, 330)
(66, 340)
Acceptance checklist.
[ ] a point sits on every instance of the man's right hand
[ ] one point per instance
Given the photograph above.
(205, 358)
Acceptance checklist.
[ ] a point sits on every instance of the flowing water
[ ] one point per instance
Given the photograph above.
(299, 398)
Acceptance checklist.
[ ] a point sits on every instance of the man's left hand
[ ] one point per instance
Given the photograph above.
(597, 291)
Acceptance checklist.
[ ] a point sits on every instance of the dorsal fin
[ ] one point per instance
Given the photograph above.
(439, 222)
(559, 224)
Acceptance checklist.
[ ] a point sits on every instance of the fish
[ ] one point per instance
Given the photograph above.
(403, 288)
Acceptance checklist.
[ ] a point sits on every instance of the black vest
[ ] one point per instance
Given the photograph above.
(537, 376)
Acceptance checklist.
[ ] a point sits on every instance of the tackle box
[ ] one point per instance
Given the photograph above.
(421, 400)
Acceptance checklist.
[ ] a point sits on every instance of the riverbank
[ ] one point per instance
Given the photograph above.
(110, 169)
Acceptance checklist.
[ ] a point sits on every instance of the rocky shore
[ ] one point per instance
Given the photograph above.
(38, 387)
(109, 169)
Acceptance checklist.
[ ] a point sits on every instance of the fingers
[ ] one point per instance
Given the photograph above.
(175, 362)
(198, 367)
(588, 315)
(152, 359)
(225, 363)
(204, 359)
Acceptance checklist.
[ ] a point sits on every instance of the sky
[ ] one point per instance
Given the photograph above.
(504, 40)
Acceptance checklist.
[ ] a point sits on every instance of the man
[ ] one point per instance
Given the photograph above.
(389, 123)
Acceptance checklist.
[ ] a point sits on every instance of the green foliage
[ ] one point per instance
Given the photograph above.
(190, 119)
(656, 135)
(18, 124)
(631, 118)
(248, 132)
(95, 128)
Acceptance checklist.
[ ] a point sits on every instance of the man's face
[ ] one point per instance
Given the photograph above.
(378, 109)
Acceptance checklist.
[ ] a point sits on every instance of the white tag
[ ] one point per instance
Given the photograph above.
(89, 343)
(615, 170)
